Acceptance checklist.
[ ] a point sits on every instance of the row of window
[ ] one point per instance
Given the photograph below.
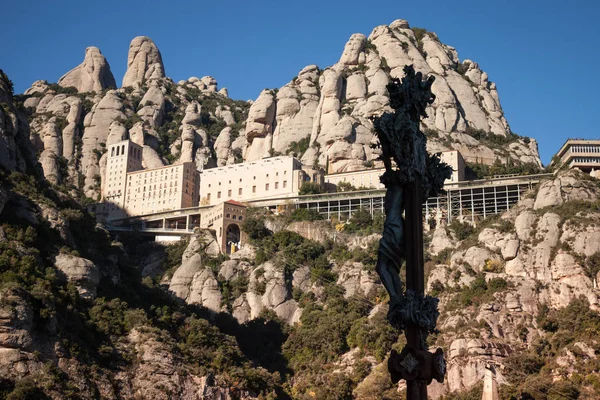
(239, 218)
(160, 186)
(240, 191)
(585, 148)
(120, 151)
(586, 160)
(210, 222)
(254, 178)
(152, 194)
(162, 177)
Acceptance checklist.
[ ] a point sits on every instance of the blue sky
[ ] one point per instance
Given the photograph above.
(543, 55)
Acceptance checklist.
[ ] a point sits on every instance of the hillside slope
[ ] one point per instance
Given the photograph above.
(299, 313)
(521, 292)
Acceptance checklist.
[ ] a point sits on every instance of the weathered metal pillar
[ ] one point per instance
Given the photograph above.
(415, 275)
(402, 142)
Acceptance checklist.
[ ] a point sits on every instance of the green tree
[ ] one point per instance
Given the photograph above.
(310, 188)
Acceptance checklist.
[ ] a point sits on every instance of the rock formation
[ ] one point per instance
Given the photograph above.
(500, 288)
(333, 106)
(144, 62)
(97, 125)
(324, 113)
(16, 151)
(541, 258)
(93, 75)
(83, 273)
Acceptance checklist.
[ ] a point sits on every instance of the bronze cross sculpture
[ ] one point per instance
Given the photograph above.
(416, 176)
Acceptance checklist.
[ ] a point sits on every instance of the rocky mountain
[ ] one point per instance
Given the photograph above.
(76, 320)
(73, 121)
(299, 312)
(321, 115)
(331, 107)
(92, 75)
(521, 292)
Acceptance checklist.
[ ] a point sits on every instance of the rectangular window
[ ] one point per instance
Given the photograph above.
(284, 184)
(218, 195)
(229, 193)
(207, 196)
(276, 185)
(253, 189)
(266, 186)
(239, 191)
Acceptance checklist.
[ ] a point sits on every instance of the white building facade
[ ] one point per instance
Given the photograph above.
(272, 177)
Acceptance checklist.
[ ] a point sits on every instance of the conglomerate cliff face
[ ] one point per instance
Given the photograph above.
(518, 292)
(331, 107)
(93, 75)
(306, 287)
(543, 254)
(299, 312)
(321, 116)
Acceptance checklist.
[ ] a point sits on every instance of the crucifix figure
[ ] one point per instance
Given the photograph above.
(411, 175)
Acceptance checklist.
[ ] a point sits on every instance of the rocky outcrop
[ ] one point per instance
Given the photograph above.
(568, 186)
(538, 255)
(55, 130)
(356, 281)
(333, 106)
(441, 240)
(259, 127)
(93, 75)
(16, 151)
(144, 62)
(16, 320)
(152, 106)
(195, 143)
(79, 271)
(159, 373)
(98, 124)
(223, 148)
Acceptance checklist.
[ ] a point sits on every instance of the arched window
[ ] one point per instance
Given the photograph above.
(112, 152)
(234, 217)
(227, 216)
(240, 218)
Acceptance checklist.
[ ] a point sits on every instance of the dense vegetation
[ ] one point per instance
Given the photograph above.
(95, 331)
(477, 170)
(531, 372)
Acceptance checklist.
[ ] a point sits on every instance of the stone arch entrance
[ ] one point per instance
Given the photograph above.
(232, 238)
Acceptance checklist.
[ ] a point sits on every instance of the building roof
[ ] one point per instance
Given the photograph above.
(235, 203)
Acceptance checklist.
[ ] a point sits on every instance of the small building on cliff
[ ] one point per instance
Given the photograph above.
(583, 154)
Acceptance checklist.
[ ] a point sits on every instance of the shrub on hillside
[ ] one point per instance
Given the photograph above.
(255, 228)
(305, 214)
(310, 188)
(462, 229)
